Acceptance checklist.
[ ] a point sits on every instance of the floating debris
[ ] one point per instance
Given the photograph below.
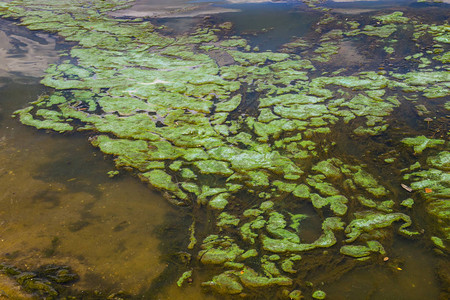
(404, 186)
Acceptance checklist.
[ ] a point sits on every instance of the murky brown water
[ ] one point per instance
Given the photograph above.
(57, 204)
(410, 274)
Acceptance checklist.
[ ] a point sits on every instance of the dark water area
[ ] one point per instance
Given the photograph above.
(271, 25)
(58, 204)
(410, 274)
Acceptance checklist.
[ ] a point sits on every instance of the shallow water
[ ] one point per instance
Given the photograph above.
(409, 274)
(58, 205)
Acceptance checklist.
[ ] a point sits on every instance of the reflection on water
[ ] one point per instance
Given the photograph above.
(22, 54)
(172, 8)
(269, 26)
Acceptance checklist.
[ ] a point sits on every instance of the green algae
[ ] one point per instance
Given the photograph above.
(274, 257)
(213, 167)
(336, 202)
(436, 92)
(395, 17)
(50, 120)
(380, 31)
(225, 283)
(407, 203)
(319, 294)
(288, 264)
(185, 276)
(438, 242)
(389, 160)
(48, 281)
(431, 180)
(368, 182)
(296, 221)
(327, 239)
(168, 109)
(440, 161)
(420, 143)
(376, 130)
(266, 205)
(358, 251)
(175, 166)
(112, 174)
(329, 168)
(249, 253)
(191, 187)
(192, 154)
(188, 174)
(229, 105)
(162, 180)
(296, 295)
(367, 202)
(127, 152)
(367, 222)
(301, 191)
(422, 78)
(218, 251)
(247, 233)
(252, 279)
(219, 202)
(385, 206)
(324, 188)
(276, 227)
(226, 219)
(389, 50)
(300, 112)
(269, 268)
(284, 186)
(192, 239)
(326, 51)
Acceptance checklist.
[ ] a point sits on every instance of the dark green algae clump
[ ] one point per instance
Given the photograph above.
(249, 137)
(48, 282)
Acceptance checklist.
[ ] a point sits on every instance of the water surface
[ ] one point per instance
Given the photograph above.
(59, 206)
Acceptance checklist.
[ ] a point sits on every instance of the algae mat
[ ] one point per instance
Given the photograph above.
(255, 144)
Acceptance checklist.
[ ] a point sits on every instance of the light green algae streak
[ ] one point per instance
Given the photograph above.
(165, 108)
(432, 182)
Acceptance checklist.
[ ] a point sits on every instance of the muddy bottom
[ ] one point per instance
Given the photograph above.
(58, 206)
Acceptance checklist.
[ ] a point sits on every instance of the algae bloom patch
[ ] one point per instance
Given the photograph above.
(257, 146)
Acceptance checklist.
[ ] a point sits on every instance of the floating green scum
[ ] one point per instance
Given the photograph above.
(249, 135)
